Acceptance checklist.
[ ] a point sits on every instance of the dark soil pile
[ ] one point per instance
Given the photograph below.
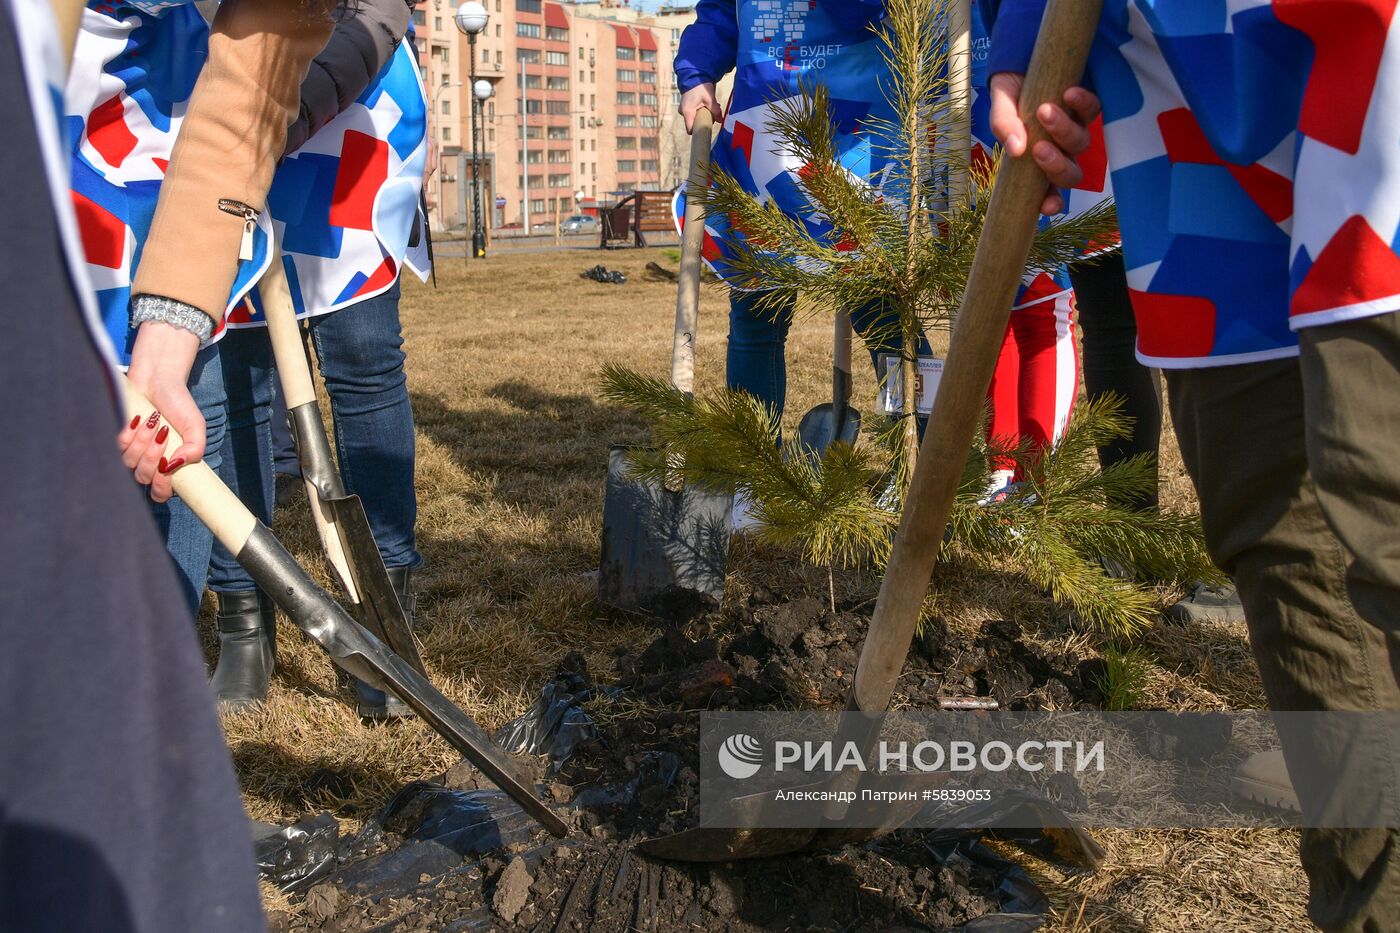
(435, 863)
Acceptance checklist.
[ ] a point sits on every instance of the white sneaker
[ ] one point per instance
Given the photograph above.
(742, 520)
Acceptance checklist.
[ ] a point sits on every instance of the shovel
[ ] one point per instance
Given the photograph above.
(834, 421)
(659, 540)
(340, 519)
(1062, 49)
(313, 611)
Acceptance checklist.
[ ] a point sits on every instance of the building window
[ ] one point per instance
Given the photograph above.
(648, 55)
(534, 106)
(528, 6)
(447, 134)
(626, 75)
(559, 155)
(580, 76)
(556, 34)
(498, 33)
(557, 83)
(486, 55)
(535, 157)
(447, 106)
(648, 100)
(558, 132)
(532, 82)
(560, 181)
(627, 142)
(420, 18)
(556, 58)
(626, 119)
(649, 142)
(534, 132)
(650, 123)
(624, 54)
(626, 166)
(580, 122)
(491, 135)
(437, 23)
(626, 98)
(556, 106)
(528, 30)
(651, 165)
(648, 77)
(528, 56)
(536, 204)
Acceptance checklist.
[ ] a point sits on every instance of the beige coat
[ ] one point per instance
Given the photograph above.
(228, 147)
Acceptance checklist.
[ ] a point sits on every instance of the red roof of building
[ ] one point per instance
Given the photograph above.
(646, 39)
(554, 16)
(624, 36)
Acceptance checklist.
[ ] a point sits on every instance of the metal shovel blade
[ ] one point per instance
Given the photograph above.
(359, 653)
(657, 541)
(826, 425)
(368, 582)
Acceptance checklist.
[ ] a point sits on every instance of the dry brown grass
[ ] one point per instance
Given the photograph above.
(512, 448)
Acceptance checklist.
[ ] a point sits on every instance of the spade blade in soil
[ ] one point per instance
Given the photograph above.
(826, 425)
(656, 541)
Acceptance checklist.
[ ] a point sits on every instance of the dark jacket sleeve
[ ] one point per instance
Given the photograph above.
(709, 45)
(364, 41)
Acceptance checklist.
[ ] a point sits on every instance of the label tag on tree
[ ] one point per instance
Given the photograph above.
(926, 378)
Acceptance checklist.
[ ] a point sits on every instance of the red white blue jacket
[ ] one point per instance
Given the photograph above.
(1253, 150)
(344, 206)
(775, 48)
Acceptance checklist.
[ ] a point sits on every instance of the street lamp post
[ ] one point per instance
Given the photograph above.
(481, 93)
(471, 19)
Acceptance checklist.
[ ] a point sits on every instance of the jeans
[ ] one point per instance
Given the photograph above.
(360, 352)
(756, 361)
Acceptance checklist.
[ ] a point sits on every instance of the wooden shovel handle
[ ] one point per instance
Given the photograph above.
(293, 372)
(1062, 49)
(196, 484)
(692, 242)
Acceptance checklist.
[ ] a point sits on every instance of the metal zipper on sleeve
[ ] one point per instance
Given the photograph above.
(250, 221)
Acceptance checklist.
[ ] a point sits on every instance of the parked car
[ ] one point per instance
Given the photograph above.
(581, 223)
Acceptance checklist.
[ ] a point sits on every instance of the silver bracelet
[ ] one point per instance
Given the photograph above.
(175, 313)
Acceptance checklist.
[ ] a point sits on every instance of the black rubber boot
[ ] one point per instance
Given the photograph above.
(247, 649)
(376, 704)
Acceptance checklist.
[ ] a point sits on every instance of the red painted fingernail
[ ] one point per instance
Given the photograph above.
(153, 420)
(160, 467)
(162, 434)
(134, 423)
(172, 466)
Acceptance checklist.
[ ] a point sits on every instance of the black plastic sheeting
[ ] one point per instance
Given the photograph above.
(555, 725)
(295, 857)
(1041, 825)
(470, 823)
(1024, 906)
(439, 829)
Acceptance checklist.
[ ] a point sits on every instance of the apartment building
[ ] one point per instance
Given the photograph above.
(580, 113)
